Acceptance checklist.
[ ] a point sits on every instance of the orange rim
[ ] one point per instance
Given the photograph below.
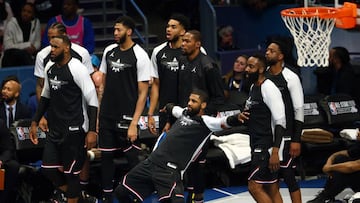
(302, 12)
(348, 10)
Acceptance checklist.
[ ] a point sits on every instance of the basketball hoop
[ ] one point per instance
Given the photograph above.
(311, 28)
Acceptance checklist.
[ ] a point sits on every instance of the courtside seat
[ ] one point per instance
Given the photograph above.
(331, 113)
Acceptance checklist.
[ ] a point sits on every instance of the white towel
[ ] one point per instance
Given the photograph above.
(236, 147)
(349, 134)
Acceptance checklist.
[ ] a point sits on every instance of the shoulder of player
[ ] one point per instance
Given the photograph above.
(74, 63)
(44, 52)
(206, 61)
(268, 85)
(160, 47)
(79, 49)
(288, 72)
(110, 47)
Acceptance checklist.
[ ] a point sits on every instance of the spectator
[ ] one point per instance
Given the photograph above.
(45, 8)
(225, 38)
(343, 171)
(5, 16)
(340, 76)
(22, 38)
(9, 164)
(11, 109)
(78, 28)
(234, 82)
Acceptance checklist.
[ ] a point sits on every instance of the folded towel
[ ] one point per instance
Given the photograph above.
(235, 146)
(350, 134)
(316, 135)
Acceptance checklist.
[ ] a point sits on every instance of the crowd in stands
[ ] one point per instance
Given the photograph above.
(103, 100)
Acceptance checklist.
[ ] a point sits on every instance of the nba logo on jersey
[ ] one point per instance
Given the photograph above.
(21, 133)
(332, 107)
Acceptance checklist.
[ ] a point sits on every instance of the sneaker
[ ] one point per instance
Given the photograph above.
(321, 197)
(86, 198)
(58, 197)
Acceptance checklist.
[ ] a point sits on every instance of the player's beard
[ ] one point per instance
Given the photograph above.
(193, 111)
(58, 58)
(251, 78)
(270, 62)
(175, 39)
(122, 39)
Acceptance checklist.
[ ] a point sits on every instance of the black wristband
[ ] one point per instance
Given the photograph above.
(296, 137)
(233, 120)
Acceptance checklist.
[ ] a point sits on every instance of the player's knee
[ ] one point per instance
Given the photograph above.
(54, 175)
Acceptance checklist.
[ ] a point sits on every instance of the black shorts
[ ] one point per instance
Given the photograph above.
(148, 177)
(112, 138)
(68, 152)
(259, 169)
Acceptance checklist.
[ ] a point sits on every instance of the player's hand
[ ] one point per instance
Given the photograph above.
(33, 133)
(151, 125)
(243, 116)
(166, 127)
(295, 149)
(274, 162)
(90, 140)
(132, 132)
(43, 124)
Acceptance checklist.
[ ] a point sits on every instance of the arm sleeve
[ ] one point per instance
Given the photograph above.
(154, 67)
(177, 111)
(279, 134)
(297, 98)
(89, 37)
(42, 107)
(215, 124)
(83, 80)
(143, 64)
(92, 113)
(273, 99)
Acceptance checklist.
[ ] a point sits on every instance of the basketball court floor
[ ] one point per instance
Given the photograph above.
(239, 194)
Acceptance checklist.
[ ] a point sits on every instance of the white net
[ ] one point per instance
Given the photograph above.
(312, 37)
